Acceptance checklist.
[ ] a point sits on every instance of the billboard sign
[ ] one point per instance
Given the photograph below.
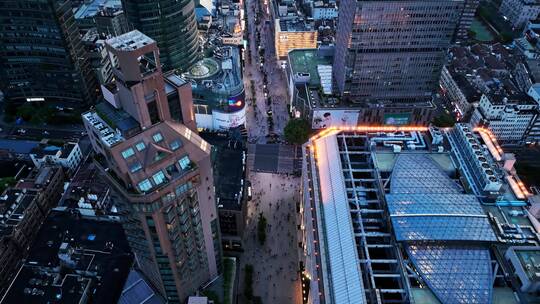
(396, 119)
(334, 118)
(225, 121)
(233, 40)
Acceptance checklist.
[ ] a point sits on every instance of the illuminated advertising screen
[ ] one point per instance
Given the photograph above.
(396, 119)
(236, 102)
(224, 121)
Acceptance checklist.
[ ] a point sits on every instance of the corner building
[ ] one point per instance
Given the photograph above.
(389, 54)
(160, 168)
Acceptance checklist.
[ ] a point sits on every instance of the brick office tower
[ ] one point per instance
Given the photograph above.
(145, 139)
(389, 54)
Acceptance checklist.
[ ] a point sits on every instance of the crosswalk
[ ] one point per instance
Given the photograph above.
(274, 158)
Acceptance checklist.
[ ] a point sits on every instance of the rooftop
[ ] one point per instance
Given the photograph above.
(230, 171)
(130, 41)
(294, 25)
(341, 246)
(18, 146)
(48, 148)
(88, 191)
(306, 61)
(91, 8)
(117, 118)
(13, 204)
(138, 291)
(216, 79)
(71, 256)
(445, 232)
(529, 259)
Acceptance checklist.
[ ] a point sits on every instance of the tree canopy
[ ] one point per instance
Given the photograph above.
(297, 131)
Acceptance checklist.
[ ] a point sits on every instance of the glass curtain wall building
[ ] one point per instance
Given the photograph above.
(172, 24)
(42, 57)
(390, 53)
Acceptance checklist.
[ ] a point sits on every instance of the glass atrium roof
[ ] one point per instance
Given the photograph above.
(418, 173)
(426, 205)
(447, 203)
(428, 210)
(455, 274)
(442, 228)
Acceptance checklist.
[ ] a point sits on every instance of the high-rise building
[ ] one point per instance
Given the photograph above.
(42, 57)
(389, 54)
(145, 135)
(466, 19)
(172, 24)
(106, 16)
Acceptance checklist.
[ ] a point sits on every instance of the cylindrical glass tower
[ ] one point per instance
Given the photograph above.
(172, 24)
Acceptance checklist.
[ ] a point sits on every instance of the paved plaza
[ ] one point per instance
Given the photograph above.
(275, 273)
(275, 264)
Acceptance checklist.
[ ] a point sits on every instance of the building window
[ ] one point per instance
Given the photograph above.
(168, 197)
(184, 162)
(145, 185)
(159, 156)
(175, 145)
(172, 169)
(128, 153)
(135, 167)
(183, 188)
(157, 137)
(159, 178)
(153, 112)
(140, 146)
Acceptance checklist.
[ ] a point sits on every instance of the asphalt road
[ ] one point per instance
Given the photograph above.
(34, 133)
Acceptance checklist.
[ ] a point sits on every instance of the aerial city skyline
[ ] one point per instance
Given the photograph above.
(269, 151)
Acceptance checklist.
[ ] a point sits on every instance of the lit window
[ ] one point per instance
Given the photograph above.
(184, 162)
(135, 167)
(175, 145)
(187, 133)
(157, 137)
(159, 178)
(145, 185)
(128, 152)
(140, 146)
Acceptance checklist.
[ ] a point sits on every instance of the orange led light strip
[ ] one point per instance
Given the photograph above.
(361, 128)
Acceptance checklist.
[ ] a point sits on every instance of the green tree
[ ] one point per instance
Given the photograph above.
(444, 121)
(26, 111)
(248, 282)
(261, 229)
(297, 131)
(6, 182)
(506, 37)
